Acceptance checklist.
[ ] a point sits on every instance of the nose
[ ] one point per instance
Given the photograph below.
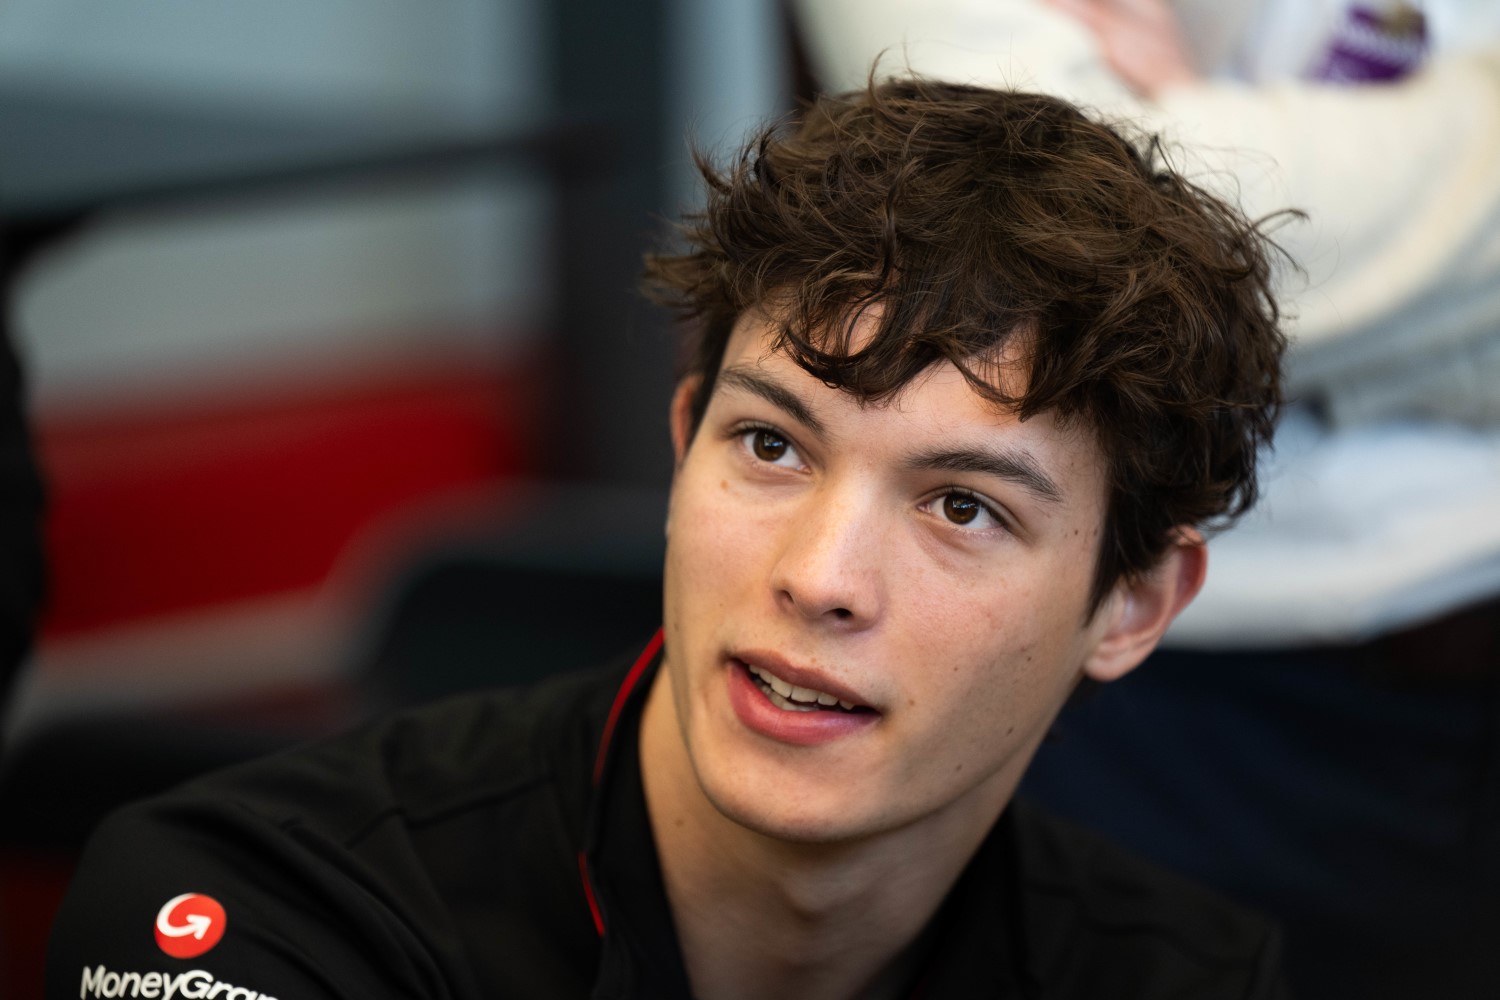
(829, 566)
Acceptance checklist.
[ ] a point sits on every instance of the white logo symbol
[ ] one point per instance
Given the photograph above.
(195, 924)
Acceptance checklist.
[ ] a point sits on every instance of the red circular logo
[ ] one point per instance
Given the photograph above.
(188, 925)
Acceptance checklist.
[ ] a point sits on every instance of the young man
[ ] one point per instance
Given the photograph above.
(970, 372)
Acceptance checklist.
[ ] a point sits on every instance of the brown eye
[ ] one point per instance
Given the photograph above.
(768, 445)
(961, 508)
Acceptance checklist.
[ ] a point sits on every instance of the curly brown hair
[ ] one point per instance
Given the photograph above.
(979, 219)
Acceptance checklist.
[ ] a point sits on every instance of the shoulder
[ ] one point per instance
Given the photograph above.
(338, 869)
(1101, 922)
(425, 763)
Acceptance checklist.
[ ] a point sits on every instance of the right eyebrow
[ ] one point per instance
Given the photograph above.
(757, 383)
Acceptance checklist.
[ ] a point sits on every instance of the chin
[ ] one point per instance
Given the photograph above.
(774, 814)
(792, 827)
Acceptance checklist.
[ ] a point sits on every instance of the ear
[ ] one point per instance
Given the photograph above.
(682, 417)
(1137, 612)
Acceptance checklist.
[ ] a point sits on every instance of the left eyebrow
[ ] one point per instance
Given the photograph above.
(1011, 465)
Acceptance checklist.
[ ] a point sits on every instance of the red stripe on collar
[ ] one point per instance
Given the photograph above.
(588, 891)
(621, 696)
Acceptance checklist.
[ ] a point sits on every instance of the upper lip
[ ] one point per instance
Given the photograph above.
(800, 676)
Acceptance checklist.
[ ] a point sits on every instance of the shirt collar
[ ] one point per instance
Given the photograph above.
(640, 955)
(978, 936)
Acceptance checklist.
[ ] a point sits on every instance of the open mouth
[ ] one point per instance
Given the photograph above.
(791, 698)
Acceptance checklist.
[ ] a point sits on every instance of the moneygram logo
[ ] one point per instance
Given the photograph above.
(189, 925)
(195, 984)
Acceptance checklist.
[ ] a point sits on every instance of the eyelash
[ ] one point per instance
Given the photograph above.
(999, 521)
(740, 431)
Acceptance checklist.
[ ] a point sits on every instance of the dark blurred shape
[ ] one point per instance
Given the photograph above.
(566, 581)
(21, 566)
(58, 781)
(73, 154)
(608, 400)
(1353, 791)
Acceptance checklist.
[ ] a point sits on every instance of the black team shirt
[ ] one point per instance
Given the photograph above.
(497, 845)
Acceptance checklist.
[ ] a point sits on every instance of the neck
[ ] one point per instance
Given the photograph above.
(758, 916)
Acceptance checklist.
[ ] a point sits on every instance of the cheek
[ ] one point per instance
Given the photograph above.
(714, 540)
(1000, 661)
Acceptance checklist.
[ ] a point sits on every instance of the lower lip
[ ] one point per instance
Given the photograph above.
(798, 728)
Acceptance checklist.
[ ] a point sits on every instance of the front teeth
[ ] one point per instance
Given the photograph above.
(794, 698)
(788, 705)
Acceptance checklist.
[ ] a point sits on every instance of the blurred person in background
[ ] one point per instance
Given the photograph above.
(1324, 739)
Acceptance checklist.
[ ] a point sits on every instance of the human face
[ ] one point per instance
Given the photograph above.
(926, 559)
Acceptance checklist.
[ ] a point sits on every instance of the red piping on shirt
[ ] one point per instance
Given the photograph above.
(588, 890)
(621, 696)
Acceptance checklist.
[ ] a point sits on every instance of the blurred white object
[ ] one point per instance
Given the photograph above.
(1361, 532)
(1386, 513)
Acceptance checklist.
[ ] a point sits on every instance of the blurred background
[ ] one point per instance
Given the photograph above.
(342, 397)
(327, 317)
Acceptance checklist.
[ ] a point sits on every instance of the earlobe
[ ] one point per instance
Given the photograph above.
(1139, 610)
(682, 417)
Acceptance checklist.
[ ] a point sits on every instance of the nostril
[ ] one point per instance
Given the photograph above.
(842, 613)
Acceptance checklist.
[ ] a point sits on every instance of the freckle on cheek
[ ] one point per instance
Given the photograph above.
(723, 484)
